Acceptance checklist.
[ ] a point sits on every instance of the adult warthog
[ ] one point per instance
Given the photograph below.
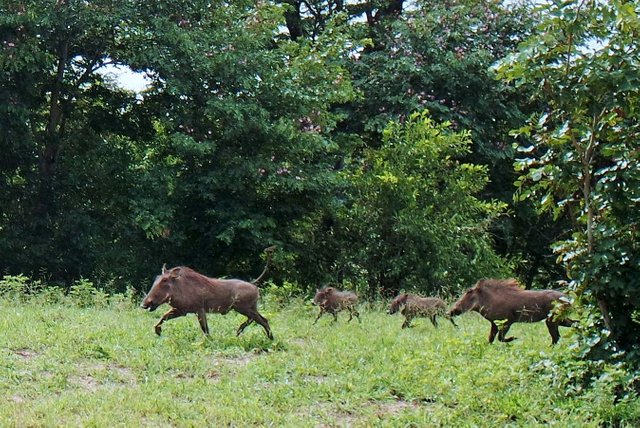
(415, 306)
(504, 301)
(333, 301)
(188, 291)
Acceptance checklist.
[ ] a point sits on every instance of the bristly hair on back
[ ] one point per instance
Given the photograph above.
(498, 283)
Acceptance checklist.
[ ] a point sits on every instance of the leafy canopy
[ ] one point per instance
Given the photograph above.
(415, 204)
(579, 156)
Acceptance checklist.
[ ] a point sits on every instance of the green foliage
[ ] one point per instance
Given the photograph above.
(242, 148)
(580, 159)
(228, 147)
(130, 298)
(280, 295)
(51, 295)
(415, 201)
(19, 287)
(438, 57)
(62, 182)
(84, 294)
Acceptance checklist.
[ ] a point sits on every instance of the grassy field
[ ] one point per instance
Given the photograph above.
(64, 365)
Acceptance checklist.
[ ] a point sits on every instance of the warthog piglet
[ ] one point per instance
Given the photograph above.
(333, 301)
(415, 306)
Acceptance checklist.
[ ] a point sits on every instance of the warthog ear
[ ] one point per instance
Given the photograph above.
(164, 268)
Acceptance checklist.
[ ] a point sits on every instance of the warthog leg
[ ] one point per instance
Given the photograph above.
(243, 326)
(354, 311)
(407, 322)
(172, 313)
(503, 333)
(319, 315)
(434, 321)
(202, 319)
(493, 332)
(552, 326)
(252, 314)
(566, 323)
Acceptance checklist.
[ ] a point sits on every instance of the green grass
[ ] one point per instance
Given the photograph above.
(61, 365)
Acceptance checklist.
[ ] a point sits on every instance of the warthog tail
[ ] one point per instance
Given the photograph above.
(269, 251)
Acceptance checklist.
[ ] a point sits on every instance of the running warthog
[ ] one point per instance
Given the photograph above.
(506, 301)
(188, 291)
(416, 306)
(333, 301)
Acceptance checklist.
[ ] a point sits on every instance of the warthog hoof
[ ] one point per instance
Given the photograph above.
(158, 330)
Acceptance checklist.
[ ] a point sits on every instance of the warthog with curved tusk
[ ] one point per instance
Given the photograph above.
(506, 301)
(188, 291)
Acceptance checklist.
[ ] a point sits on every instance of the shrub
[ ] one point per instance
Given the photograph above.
(84, 294)
(126, 300)
(280, 295)
(19, 287)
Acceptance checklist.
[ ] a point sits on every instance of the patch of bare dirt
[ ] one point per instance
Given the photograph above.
(92, 377)
(394, 407)
(27, 354)
(213, 375)
(315, 379)
(86, 382)
(299, 342)
(239, 361)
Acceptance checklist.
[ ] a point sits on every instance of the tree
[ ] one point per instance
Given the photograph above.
(228, 148)
(308, 19)
(245, 117)
(415, 220)
(579, 156)
(49, 58)
(438, 56)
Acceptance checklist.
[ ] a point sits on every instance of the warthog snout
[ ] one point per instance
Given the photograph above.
(397, 303)
(150, 303)
(149, 306)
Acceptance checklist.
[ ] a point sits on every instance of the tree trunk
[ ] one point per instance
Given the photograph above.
(293, 19)
(53, 133)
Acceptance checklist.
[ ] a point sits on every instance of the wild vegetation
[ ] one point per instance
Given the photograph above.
(383, 146)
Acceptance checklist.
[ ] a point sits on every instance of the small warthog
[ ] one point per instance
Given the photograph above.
(333, 301)
(188, 291)
(505, 301)
(416, 306)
